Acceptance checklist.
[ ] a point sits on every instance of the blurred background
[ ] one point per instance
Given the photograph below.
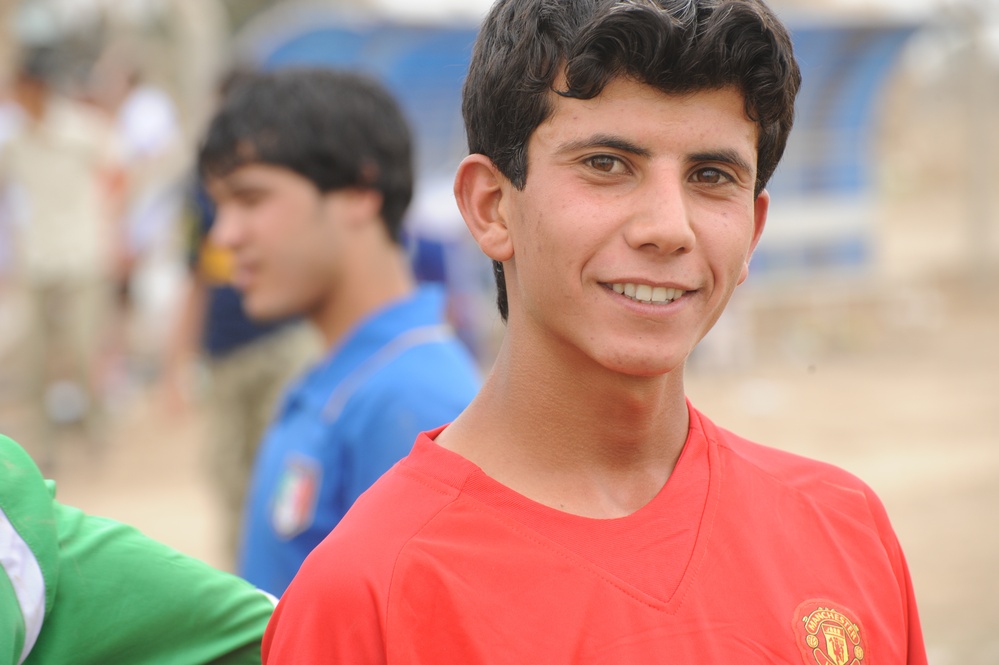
(867, 335)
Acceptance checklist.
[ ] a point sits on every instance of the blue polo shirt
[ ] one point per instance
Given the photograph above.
(398, 373)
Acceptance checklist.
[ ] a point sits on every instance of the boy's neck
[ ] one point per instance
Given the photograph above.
(369, 282)
(593, 442)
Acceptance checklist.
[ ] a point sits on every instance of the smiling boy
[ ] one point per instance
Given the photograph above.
(581, 510)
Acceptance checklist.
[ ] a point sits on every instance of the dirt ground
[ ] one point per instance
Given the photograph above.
(898, 382)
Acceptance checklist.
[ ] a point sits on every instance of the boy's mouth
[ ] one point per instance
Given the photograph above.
(647, 294)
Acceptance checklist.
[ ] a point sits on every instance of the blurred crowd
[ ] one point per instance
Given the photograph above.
(93, 175)
(110, 288)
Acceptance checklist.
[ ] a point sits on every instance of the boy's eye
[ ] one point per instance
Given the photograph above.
(249, 197)
(604, 163)
(711, 176)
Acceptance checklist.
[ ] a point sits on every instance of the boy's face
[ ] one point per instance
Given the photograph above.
(283, 235)
(635, 225)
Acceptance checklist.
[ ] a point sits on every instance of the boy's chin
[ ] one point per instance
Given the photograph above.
(261, 310)
(644, 366)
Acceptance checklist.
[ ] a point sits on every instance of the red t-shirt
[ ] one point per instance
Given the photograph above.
(747, 555)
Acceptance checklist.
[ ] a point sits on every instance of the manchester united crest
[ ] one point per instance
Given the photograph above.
(828, 634)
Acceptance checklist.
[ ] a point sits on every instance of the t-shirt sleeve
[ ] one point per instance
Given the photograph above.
(336, 608)
(123, 597)
(914, 631)
(325, 617)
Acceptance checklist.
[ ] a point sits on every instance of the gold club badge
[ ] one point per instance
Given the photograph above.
(827, 635)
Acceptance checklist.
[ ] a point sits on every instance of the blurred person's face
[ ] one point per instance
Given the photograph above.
(285, 236)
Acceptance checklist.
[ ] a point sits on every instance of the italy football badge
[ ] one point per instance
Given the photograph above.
(294, 502)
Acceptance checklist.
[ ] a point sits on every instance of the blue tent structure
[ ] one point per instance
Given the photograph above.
(422, 65)
(821, 216)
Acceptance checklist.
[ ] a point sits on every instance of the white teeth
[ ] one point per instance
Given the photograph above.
(646, 293)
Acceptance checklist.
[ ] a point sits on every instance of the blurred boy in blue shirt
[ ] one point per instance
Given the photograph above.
(311, 172)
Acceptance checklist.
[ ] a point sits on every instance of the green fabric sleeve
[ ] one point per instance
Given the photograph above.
(11, 623)
(124, 598)
(29, 551)
(112, 595)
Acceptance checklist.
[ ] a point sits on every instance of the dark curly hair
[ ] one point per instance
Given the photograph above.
(676, 46)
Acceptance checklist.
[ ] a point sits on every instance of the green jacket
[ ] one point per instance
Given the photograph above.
(80, 589)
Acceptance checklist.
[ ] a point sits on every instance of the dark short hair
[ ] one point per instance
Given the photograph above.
(337, 129)
(677, 46)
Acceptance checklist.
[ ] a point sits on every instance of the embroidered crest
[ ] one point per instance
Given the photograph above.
(294, 502)
(828, 635)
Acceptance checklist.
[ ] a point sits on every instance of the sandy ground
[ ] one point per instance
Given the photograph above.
(898, 383)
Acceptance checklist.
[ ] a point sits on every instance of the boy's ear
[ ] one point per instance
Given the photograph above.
(761, 206)
(479, 188)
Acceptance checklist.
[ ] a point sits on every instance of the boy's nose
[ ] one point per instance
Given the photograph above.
(662, 224)
(226, 229)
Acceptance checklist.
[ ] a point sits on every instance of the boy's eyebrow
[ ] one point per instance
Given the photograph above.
(725, 157)
(722, 155)
(604, 141)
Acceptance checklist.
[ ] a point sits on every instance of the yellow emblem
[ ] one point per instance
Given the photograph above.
(827, 635)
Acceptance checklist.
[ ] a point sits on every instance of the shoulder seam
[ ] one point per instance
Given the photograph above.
(421, 479)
